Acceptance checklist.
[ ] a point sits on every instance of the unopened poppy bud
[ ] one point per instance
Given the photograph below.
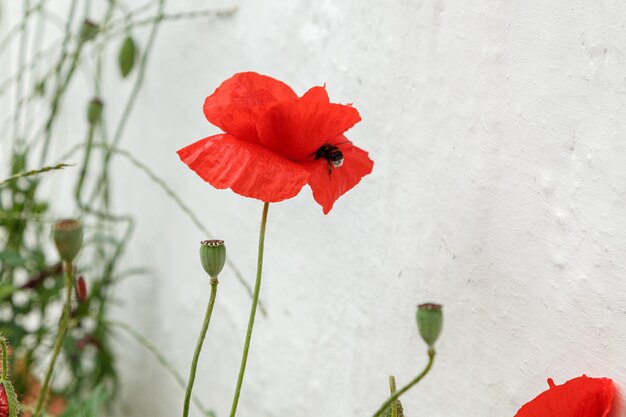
(94, 111)
(81, 290)
(212, 256)
(88, 30)
(9, 406)
(68, 238)
(429, 322)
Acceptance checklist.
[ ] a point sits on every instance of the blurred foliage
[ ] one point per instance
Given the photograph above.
(31, 285)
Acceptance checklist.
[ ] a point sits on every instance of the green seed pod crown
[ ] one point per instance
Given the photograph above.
(213, 256)
(429, 322)
(68, 238)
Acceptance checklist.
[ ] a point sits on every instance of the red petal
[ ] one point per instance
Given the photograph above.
(579, 397)
(328, 187)
(297, 129)
(238, 102)
(248, 169)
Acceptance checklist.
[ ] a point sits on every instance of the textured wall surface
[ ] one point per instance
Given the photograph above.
(497, 130)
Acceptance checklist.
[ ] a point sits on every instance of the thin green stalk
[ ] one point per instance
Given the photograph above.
(255, 301)
(63, 327)
(31, 173)
(58, 96)
(143, 341)
(83, 170)
(18, 87)
(102, 183)
(196, 354)
(121, 26)
(394, 397)
(175, 197)
(17, 29)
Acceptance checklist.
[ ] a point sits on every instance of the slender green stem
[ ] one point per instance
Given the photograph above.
(395, 396)
(85, 165)
(19, 82)
(58, 96)
(160, 357)
(196, 354)
(172, 194)
(31, 173)
(63, 326)
(255, 301)
(4, 358)
(102, 183)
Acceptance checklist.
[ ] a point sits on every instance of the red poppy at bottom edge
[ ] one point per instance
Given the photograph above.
(268, 150)
(578, 397)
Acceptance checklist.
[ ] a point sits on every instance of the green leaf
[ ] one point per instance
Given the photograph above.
(11, 258)
(127, 55)
(6, 290)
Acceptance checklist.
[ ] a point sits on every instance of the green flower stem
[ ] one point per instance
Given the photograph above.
(255, 301)
(63, 327)
(163, 361)
(32, 172)
(4, 359)
(196, 354)
(395, 396)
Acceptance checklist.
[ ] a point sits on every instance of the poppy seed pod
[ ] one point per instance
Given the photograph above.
(68, 238)
(94, 111)
(212, 256)
(429, 322)
(88, 30)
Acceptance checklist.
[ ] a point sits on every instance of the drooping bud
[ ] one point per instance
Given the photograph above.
(68, 238)
(94, 111)
(429, 322)
(212, 256)
(88, 30)
(81, 290)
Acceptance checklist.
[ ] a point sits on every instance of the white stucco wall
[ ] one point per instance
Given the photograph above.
(497, 130)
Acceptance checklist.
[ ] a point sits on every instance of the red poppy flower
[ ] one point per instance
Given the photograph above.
(276, 142)
(579, 397)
